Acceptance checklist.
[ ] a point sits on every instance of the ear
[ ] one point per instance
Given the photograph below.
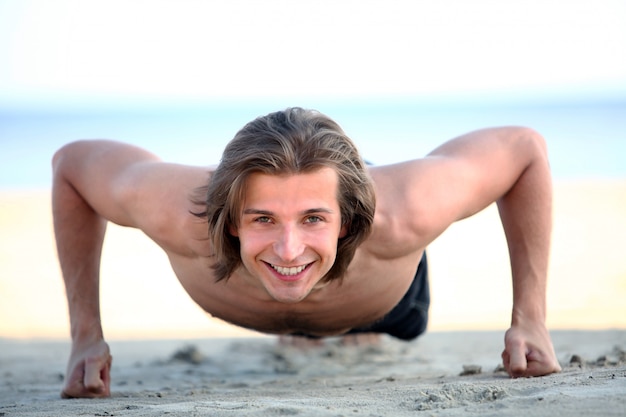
(233, 231)
(343, 232)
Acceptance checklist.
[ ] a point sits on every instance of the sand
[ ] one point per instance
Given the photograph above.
(256, 377)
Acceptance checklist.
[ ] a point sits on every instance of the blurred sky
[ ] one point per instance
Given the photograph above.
(58, 52)
(71, 69)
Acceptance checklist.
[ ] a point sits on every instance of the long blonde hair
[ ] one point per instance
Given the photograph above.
(288, 142)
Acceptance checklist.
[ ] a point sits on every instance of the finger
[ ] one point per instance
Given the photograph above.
(80, 385)
(74, 381)
(539, 364)
(95, 369)
(506, 359)
(517, 360)
(106, 377)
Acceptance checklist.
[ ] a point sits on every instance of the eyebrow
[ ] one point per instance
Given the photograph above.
(305, 212)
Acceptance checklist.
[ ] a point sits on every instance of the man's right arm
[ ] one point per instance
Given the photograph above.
(86, 175)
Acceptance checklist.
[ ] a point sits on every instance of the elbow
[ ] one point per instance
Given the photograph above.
(533, 142)
(540, 151)
(525, 146)
(532, 152)
(63, 156)
(58, 159)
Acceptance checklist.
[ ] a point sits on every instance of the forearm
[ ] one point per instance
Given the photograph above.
(79, 233)
(526, 214)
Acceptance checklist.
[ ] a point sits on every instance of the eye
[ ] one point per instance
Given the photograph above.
(313, 219)
(263, 219)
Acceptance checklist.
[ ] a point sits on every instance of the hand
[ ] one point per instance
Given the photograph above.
(88, 372)
(528, 351)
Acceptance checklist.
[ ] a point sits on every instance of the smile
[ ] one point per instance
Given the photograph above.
(289, 271)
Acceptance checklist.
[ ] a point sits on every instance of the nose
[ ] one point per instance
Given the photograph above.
(289, 244)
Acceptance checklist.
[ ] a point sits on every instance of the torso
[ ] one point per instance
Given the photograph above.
(378, 277)
(368, 291)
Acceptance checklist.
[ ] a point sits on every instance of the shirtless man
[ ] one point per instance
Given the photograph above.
(293, 234)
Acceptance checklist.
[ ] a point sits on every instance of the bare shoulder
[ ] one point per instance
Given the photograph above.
(418, 199)
(161, 199)
(132, 187)
(399, 228)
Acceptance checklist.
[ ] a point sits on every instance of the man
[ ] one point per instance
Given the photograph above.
(303, 238)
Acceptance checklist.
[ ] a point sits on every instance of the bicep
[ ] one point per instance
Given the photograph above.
(479, 168)
(464, 176)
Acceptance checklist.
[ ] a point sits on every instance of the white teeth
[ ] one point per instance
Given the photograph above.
(289, 271)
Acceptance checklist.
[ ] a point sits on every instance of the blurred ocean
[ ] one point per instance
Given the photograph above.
(586, 140)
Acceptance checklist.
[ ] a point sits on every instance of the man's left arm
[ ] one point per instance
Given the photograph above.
(506, 165)
(526, 214)
(509, 166)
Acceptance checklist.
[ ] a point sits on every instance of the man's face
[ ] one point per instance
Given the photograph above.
(289, 231)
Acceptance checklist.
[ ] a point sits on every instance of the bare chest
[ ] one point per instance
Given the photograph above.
(366, 294)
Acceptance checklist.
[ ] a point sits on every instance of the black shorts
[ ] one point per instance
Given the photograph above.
(409, 318)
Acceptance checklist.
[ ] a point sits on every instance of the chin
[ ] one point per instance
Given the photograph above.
(288, 298)
(288, 293)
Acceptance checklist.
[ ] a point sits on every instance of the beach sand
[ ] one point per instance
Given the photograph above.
(256, 377)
